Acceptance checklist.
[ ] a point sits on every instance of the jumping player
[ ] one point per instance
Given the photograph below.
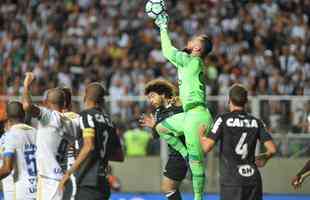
(19, 154)
(238, 132)
(161, 95)
(190, 68)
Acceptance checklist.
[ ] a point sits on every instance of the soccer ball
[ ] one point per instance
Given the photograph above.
(153, 8)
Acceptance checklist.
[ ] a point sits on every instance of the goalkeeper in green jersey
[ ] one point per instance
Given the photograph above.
(190, 69)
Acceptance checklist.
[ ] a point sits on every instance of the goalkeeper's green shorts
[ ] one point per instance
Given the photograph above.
(188, 123)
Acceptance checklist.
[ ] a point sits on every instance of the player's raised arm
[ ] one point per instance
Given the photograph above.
(175, 56)
(27, 101)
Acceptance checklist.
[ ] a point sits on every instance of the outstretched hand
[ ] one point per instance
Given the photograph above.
(297, 182)
(162, 21)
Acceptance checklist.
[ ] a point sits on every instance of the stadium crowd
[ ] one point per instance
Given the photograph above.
(264, 45)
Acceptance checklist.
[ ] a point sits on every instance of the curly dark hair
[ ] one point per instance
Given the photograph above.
(161, 87)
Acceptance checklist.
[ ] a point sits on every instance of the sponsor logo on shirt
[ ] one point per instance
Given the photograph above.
(236, 122)
(57, 170)
(246, 170)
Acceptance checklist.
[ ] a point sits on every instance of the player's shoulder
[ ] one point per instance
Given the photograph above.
(176, 109)
(237, 114)
(45, 110)
(253, 118)
(95, 114)
(223, 115)
(90, 111)
(19, 132)
(71, 115)
(49, 116)
(194, 61)
(241, 119)
(21, 127)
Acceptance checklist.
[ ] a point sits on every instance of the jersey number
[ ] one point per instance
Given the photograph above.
(31, 162)
(242, 148)
(104, 143)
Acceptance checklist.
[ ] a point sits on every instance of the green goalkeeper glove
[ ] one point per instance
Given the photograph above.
(162, 21)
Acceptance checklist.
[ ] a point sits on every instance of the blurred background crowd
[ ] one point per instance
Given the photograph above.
(263, 44)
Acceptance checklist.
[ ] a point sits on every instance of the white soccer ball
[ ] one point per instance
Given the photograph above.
(153, 8)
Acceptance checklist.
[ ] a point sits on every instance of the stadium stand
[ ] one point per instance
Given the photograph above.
(263, 44)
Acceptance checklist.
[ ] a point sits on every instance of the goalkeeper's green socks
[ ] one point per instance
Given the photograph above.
(198, 170)
(175, 142)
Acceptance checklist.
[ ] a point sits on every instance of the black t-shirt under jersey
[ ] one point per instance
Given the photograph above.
(238, 133)
(161, 113)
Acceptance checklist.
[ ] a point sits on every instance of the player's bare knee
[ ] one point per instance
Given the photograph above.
(168, 185)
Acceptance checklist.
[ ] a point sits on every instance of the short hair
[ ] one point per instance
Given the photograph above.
(15, 111)
(238, 95)
(56, 96)
(68, 94)
(161, 87)
(95, 92)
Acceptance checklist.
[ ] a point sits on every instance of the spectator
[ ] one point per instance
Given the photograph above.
(137, 142)
(74, 42)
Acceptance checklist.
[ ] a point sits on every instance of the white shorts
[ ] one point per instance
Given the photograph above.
(8, 195)
(11, 195)
(8, 188)
(26, 189)
(48, 189)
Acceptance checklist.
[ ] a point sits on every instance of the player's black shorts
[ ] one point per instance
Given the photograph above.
(102, 192)
(176, 168)
(254, 192)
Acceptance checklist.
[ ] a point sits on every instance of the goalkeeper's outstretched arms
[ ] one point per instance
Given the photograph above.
(300, 177)
(174, 55)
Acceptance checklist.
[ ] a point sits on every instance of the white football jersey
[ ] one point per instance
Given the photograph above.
(20, 143)
(7, 182)
(74, 117)
(73, 150)
(54, 132)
